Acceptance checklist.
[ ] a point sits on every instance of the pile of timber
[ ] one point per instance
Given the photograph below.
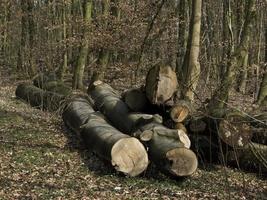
(151, 123)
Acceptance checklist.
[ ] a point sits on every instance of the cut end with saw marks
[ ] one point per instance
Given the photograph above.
(183, 161)
(129, 156)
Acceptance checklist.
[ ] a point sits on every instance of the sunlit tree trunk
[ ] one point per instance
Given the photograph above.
(191, 66)
(104, 54)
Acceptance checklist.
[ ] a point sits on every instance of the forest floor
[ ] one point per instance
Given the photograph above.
(41, 159)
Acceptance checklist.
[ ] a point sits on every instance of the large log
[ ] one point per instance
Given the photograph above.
(76, 112)
(125, 153)
(161, 84)
(38, 97)
(168, 149)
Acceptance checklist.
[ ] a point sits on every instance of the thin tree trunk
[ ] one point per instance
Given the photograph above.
(31, 30)
(63, 67)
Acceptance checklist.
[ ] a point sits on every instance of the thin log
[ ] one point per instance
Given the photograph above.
(38, 97)
(125, 153)
(167, 148)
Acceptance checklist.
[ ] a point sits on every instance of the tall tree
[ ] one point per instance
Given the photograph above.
(79, 68)
(262, 96)
(64, 66)
(191, 66)
(221, 95)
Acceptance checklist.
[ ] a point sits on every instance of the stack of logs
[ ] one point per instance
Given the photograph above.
(151, 123)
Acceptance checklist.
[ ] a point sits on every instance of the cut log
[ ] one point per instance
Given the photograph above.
(161, 84)
(167, 148)
(125, 153)
(180, 111)
(136, 100)
(38, 97)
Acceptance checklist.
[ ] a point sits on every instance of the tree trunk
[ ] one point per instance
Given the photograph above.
(220, 96)
(168, 149)
(32, 35)
(63, 67)
(191, 66)
(125, 153)
(80, 66)
(23, 36)
(263, 88)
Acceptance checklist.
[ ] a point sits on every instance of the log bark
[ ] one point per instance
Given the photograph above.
(38, 97)
(76, 113)
(125, 153)
(168, 149)
(161, 84)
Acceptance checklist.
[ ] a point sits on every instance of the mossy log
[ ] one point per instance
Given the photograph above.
(57, 87)
(38, 97)
(161, 84)
(125, 153)
(48, 81)
(40, 79)
(252, 156)
(168, 149)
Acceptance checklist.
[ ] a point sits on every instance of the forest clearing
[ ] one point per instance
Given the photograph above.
(133, 100)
